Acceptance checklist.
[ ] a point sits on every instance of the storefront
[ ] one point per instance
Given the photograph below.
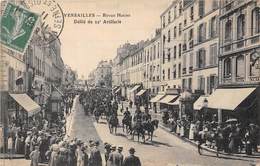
(155, 103)
(133, 92)
(241, 103)
(142, 97)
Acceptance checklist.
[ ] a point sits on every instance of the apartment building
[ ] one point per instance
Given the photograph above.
(171, 38)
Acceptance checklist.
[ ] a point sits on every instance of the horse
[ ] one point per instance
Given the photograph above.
(113, 123)
(150, 126)
(127, 123)
(138, 128)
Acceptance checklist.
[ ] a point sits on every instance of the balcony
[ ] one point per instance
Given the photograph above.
(190, 69)
(240, 79)
(237, 45)
(184, 70)
(254, 78)
(227, 80)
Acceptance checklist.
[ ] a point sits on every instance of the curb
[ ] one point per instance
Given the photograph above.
(208, 149)
(15, 156)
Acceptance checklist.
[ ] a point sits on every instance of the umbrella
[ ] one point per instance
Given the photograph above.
(231, 120)
(164, 110)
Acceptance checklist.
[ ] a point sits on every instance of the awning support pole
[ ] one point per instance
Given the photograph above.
(219, 116)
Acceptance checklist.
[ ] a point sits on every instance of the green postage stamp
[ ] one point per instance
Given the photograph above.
(17, 25)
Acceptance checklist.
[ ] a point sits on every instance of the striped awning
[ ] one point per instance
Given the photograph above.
(157, 98)
(141, 92)
(167, 99)
(27, 103)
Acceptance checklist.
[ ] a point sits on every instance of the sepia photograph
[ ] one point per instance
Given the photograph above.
(130, 83)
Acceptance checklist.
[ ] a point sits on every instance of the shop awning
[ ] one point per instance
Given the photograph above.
(141, 92)
(167, 99)
(135, 88)
(27, 103)
(228, 99)
(176, 102)
(157, 98)
(198, 105)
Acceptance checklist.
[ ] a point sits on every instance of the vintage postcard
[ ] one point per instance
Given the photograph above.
(130, 83)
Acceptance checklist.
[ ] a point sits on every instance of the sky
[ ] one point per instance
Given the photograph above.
(84, 45)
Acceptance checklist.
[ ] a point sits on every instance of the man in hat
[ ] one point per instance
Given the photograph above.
(132, 160)
(35, 156)
(95, 158)
(27, 145)
(116, 158)
(108, 151)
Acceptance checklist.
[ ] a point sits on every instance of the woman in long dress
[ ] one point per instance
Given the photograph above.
(191, 133)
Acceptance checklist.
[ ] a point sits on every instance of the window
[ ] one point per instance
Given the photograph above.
(254, 71)
(180, 28)
(175, 32)
(175, 12)
(201, 8)
(163, 73)
(211, 83)
(256, 21)
(164, 39)
(184, 61)
(240, 66)
(227, 68)
(163, 21)
(179, 50)
(180, 8)
(174, 52)
(154, 52)
(213, 55)
(184, 84)
(201, 83)
(191, 13)
(240, 26)
(169, 54)
(163, 58)
(189, 83)
(158, 50)
(179, 70)
(169, 35)
(190, 34)
(215, 4)
(213, 27)
(228, 31)
(169, 73)
(202, 32)
(191, 59)
(201, 58)
(169, 17)
(174, 72)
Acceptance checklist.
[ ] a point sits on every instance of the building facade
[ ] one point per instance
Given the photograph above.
(103, 74)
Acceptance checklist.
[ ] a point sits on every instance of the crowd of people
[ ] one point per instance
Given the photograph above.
(230, 136)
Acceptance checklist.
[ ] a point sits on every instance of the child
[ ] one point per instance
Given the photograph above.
(34, 156)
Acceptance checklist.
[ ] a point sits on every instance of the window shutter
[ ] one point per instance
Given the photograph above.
(197, 59)
(205, 31)
(210, 28)
(203, 83)
(208, 85)
(204, 57)
(211, 54)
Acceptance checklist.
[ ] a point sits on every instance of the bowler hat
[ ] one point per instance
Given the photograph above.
(132, 150)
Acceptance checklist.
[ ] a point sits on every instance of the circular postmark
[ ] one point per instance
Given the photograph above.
(51, 20)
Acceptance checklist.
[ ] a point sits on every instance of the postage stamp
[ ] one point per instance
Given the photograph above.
(51, 20)
(17, 26)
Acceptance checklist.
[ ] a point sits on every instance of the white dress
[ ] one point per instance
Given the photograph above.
(191, 132)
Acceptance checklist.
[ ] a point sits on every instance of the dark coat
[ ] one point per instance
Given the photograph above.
(132, 160)
(95, 158)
